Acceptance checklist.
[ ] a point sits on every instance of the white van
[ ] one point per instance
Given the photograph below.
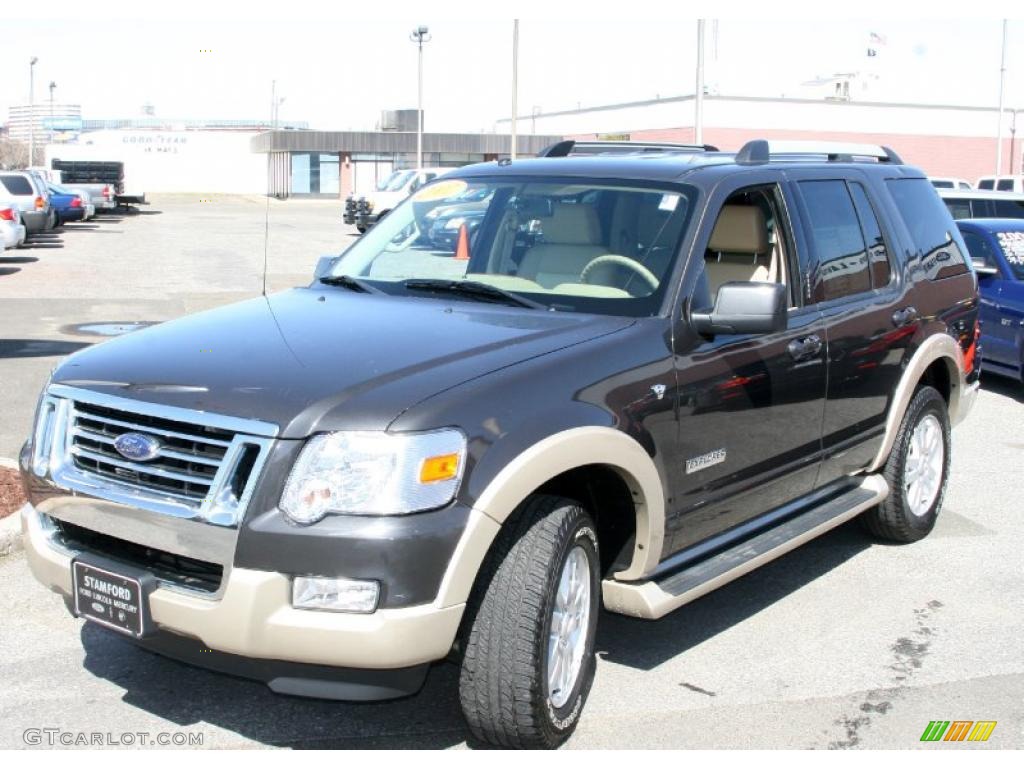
(366, 211)
(1002, 183)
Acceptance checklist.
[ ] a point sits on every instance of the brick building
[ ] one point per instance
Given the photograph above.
(944, 140)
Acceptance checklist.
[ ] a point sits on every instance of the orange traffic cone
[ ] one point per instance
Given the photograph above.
(462, 247)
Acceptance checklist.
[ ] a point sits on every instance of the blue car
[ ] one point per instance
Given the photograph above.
(997, 251)
(67, 205)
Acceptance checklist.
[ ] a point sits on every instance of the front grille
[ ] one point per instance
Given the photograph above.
(166, 566)
(185, 469)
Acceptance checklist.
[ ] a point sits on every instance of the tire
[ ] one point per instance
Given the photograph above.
(905, 516)
(503, 685)
(361, 229)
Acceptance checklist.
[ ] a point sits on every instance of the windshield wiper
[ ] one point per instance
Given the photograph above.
(352, 283)
(472, 289)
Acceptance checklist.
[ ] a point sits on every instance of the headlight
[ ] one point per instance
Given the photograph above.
(454, 223)
(374, 473)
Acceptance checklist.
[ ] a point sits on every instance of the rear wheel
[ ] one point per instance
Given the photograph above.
(528, 660)
(917, 471)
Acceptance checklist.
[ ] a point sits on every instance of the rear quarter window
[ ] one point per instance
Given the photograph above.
(931, 227)
(17, 185)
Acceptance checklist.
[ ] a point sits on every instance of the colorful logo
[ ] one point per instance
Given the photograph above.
(958, 730)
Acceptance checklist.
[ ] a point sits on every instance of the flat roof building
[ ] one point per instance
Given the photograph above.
(338, 163)
(944, 140)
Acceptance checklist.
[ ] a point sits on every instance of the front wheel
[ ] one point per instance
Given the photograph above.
(917, 472)
(528, 659)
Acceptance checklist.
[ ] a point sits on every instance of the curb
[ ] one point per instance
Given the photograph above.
(10, 534)
(10, 526)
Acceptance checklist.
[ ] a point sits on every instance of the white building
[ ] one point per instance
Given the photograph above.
(51, 121)
(211, 161)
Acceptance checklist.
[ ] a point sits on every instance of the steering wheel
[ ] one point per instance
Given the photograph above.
(621, 261)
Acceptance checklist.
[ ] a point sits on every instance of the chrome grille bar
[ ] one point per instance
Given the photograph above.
(193, 475)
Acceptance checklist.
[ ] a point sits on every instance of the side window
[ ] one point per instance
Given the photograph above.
(838, 243)
(878, 255)
(979, 248)
(986, 184)
(1005, 185)
(1008, 209)
(930, 226)
(958, 208)
(750, 242)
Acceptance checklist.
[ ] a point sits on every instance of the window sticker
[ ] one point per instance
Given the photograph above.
(440, 191)
(1012, 244)
(668, 202)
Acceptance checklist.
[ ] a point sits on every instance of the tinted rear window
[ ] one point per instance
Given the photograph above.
(17, 185)
(838, 241)
(1008, 209)
(930, 225)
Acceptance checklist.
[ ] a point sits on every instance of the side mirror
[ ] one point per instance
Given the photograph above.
(323, 266)
(742, 307)
(983, 269)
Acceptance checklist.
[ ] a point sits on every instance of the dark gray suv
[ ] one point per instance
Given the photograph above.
(644, 372)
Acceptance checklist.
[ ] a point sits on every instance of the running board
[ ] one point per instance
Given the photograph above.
(654, 599)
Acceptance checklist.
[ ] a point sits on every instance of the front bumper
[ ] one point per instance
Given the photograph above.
(252, 616)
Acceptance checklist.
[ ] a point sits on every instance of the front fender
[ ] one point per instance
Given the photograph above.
(542, 461)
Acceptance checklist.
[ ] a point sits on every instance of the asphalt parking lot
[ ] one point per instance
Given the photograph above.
(844, 643)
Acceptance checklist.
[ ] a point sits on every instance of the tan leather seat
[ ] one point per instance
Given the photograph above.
(739, 249)
(572, 239)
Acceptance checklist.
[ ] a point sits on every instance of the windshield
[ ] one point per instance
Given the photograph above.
(395, 181)
(1012, 244)
(568, 246)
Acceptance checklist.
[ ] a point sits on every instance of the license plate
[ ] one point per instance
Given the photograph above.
(113, 599)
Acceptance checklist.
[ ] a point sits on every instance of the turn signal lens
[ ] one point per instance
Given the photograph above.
(439, 468)
(40, 203)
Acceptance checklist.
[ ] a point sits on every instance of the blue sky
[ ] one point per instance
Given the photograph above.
(338, 71)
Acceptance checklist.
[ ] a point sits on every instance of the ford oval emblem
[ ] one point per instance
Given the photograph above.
(137, 447)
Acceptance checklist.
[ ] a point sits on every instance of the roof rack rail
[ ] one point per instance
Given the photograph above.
(573, 147)
(760, 151)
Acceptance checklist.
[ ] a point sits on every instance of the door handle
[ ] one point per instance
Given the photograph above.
(805, 348)
(902, 317)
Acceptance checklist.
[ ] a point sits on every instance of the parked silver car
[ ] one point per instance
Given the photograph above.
(12, 231)
(28, 191)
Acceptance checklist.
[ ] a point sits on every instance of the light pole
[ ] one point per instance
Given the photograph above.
(698, 99)
(32, 109)
(999, 131)
(420, 35)
(53, 86)
(515, 84)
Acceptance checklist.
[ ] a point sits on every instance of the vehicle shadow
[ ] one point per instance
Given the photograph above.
(4, 271)
(186, 695)
(644, 644)
(1003, 385)
(17, 348)
(47, 240)
(17, 259)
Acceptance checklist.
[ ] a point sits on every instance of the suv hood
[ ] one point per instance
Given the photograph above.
(313, 359)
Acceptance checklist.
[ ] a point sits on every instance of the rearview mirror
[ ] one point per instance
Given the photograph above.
(323, 266)
(743, 307)
(982, 268)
